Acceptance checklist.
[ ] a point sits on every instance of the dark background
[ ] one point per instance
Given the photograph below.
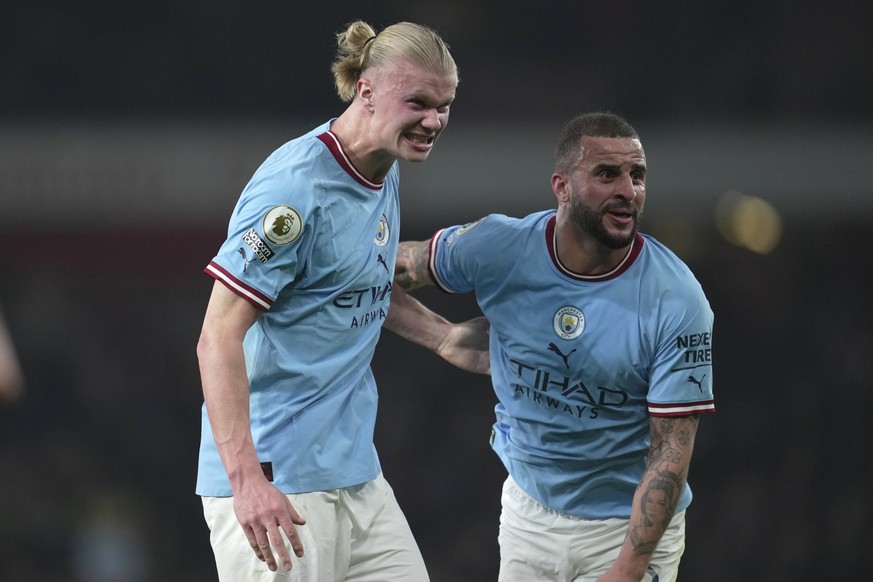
(127, 130)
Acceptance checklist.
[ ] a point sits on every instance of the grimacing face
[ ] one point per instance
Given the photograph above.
(410, 108)
(607, 190)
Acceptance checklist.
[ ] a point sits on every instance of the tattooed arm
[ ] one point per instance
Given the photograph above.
(411, 270)
(464, 345)
(657, 495)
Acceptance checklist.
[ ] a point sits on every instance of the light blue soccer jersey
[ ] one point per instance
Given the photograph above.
(579, 364)
(312, 243)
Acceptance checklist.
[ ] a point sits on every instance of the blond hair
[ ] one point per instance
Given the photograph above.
(360, 47)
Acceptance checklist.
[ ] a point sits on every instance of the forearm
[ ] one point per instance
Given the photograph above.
(407, 317)
(226, 394)
(225, 383)
(658, 493)
(464, 345)
(412, 321)
(644, 532)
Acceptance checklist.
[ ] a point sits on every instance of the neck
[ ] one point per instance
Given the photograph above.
(351, 128)
(583, 255)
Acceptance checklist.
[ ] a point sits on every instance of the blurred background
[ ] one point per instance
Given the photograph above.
(128, 129)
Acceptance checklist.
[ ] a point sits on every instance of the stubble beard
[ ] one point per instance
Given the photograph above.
(591, 222)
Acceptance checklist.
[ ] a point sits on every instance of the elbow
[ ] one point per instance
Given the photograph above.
(204, 346)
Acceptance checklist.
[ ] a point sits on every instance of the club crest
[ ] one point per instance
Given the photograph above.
(382, 232)
(569, 323)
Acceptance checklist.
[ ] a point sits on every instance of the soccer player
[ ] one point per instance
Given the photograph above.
(600, 358)
(11, 376)
(302, 286)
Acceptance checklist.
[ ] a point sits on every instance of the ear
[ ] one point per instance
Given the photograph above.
(365, 92)
(561, 187)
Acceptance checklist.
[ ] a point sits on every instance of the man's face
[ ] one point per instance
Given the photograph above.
(410, 108)
(605, 190)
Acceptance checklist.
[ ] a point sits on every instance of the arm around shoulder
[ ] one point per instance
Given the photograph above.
(464, 344)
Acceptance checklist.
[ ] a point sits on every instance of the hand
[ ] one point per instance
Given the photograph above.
(264, 512)
(466, 346)
(612, 575)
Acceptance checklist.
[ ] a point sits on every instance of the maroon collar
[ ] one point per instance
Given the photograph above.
(336, 148)
(623, 266)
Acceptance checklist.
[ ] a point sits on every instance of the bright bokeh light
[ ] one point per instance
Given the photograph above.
(748, 221)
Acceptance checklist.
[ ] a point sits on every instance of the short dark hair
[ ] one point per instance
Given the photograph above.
(597, 124)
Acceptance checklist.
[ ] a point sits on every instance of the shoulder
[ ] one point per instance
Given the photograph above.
(502, 226)
(669, 279)
(490, 239)
(665, 266)
(306, 146)
(529, 222)
(289, 173)
(492, 243)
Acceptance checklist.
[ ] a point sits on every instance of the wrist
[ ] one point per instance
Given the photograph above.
(632, 567)
(243, 474)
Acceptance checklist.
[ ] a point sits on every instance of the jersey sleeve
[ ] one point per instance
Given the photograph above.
(268, 234)
(458, 254)
(680, 380)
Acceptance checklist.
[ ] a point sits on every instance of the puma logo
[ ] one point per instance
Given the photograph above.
(245, 259)
(381, 260)
(554, 348)
(699, 383)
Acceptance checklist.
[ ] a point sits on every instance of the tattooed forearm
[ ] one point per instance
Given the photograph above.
(685, 435)
(684, 428)
(676, 436)
(411, 270)
(661, 453)
(662, 484)
(657, 503)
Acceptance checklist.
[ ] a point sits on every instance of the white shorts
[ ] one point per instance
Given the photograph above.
(537, 543)
(356, 534)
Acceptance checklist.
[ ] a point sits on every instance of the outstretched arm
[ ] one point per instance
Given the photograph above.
(464, 345)
(657, 496)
